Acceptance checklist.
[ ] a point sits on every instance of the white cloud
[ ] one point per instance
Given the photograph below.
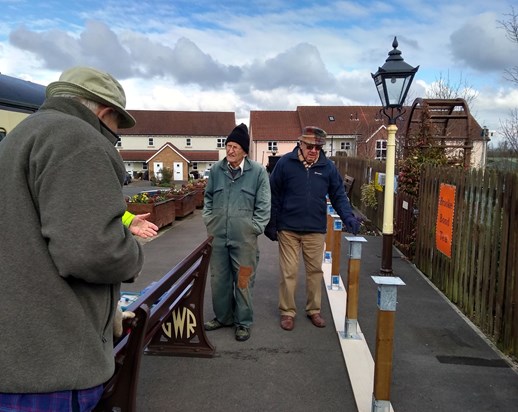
(261, 55)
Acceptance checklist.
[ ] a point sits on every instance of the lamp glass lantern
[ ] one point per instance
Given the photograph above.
(393, 79)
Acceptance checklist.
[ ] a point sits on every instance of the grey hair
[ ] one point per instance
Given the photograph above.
(90, 104)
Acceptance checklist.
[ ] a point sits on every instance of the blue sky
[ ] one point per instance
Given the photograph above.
(263, 55)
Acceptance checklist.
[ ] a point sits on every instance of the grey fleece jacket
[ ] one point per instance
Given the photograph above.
(63, 251)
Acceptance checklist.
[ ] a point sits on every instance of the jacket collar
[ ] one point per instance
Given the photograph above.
(75, 108)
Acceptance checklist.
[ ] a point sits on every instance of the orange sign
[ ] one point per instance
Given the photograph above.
(445, 213)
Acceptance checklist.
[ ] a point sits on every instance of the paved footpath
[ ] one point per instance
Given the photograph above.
(441, 363)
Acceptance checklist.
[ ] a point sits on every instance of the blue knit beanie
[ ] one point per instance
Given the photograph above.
(240, 136)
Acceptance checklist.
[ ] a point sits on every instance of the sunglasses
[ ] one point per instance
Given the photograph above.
(313, 146)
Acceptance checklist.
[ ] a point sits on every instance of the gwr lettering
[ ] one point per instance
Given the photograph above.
(184, 321)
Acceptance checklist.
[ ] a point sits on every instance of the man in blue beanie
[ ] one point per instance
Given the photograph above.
(236, 210)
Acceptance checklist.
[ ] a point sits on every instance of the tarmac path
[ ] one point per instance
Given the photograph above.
(441, 362)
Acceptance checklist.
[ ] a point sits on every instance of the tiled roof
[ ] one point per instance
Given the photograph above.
(201, 155)
(341, 120)
(181, 123)
(274, 125)
(136, 155)
(358, 121)
(335, 120)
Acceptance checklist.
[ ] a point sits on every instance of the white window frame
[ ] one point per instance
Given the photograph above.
(381, 149)
(272, 146)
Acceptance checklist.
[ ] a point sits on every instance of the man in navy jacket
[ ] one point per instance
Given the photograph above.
(300, 182)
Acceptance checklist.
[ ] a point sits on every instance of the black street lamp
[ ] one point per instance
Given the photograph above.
(392, 81)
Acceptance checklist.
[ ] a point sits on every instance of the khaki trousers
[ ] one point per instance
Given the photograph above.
(312, 247)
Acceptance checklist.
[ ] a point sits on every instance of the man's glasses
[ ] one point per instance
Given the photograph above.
(313, 146)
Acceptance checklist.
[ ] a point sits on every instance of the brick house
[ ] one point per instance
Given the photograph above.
(359, 131)
(196, 139)
(351, 130)
(188, 142)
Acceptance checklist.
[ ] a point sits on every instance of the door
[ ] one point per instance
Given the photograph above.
(178, 171)
(157, 169)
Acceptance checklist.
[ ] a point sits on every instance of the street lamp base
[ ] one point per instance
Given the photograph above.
(386, 255)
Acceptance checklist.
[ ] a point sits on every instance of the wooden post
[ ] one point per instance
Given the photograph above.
(353, 286)
(337, 245)
(387, 298)
(383, 356)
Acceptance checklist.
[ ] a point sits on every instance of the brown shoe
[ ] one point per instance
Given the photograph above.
(287, 322)
(317, 320)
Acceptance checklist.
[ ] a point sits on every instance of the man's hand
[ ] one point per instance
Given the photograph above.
(142, 227)
(352, 225)
(271, 232)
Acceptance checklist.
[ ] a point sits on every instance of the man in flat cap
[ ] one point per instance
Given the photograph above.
(236, 210)
(64, 249)
(300, 183)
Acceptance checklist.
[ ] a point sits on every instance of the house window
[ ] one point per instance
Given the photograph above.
(345, 145)
(331, 118)
(194, 166)
(119, 143)
(272, 147)
(188, 142)
(150, 141)
(220, 143)
(381, 149)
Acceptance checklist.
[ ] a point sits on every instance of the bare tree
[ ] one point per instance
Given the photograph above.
(510, 25)
(509, 130)
(444, 88)
(509, 127)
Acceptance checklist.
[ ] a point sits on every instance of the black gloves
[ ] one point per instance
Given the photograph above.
(271, 232)
(352, 225)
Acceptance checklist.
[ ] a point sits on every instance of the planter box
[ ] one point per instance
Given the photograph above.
(198, 198)
(162, 213)
(184, 204)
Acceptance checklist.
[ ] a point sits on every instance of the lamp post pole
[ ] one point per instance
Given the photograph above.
(392, 81)
(388, 209)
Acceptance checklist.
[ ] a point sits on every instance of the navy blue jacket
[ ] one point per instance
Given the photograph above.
(299, 195)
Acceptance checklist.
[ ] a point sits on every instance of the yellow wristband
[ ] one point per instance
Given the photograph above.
(127, 218)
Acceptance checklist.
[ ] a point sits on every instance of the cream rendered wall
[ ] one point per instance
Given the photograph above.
(141, 142)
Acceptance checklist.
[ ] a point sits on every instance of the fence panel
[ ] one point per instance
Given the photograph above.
(480, 277)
